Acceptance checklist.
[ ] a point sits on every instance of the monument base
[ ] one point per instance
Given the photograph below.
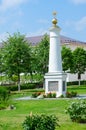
(55, 83)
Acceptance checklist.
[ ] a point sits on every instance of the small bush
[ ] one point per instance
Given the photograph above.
(71, 94)
(62, 96)
(2, 106)
(36, 94)
(54, 95)
(40, 122)
(77, 111)
(44, 95)
(4, 94)
(68, 95)
(50, 95)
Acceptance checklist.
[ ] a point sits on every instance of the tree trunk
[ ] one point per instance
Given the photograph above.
(19, 82)
(31, 79)
(79, 78)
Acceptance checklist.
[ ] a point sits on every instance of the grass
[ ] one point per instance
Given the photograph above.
(23, 93)
(79, 89)
(12, 119)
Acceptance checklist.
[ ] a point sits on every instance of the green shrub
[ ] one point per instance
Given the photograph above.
(83, 82)
(50, 95)
(71, 94)
(62, 96)
(13, 88)
(72, 83)
(40, 122)
(36, 94)
(4, 94)
(68, 95)
(25, 86)
(2, 106)
(53, 95)
(28, 86)
(77, 111)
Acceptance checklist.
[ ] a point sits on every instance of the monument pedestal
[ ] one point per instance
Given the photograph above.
(55, 83)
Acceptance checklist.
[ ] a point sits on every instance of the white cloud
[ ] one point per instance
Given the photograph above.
(6, 4)
(79, 25)
(78, 1)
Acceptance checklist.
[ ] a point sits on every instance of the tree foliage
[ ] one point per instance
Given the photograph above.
(42, 55)
(79, 61)
(16, 55)
(67, 58)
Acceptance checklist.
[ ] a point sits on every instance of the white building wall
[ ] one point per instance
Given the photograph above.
(73, 46)
(74, 77)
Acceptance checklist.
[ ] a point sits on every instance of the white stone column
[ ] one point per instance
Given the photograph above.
(55, 62)
(55, 79)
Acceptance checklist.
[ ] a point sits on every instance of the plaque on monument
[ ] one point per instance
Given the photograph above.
(53, 86)
(63, 85)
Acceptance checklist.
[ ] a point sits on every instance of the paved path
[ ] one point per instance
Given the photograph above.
(83, 96)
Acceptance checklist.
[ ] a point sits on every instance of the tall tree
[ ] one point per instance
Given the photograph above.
(79, 62)
(1, 64)
(42, 55)
(67, 58)
(16, 55)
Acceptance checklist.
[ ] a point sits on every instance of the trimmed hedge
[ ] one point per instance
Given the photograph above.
(76, 83)
(25, 86)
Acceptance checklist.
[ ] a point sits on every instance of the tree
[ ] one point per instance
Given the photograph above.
(16, 56)
(67, 59)
(79, 62)
(42, 55)
(1, 63)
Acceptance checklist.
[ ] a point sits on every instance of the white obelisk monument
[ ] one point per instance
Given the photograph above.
(55, 79)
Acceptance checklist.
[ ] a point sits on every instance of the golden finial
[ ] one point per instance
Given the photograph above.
(54, 14)
(54, 21)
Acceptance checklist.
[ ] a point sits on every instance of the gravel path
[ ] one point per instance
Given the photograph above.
(83, 96)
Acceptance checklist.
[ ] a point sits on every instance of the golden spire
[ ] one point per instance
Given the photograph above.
(54, 21)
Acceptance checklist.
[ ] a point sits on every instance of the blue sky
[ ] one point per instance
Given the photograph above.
(33, 17)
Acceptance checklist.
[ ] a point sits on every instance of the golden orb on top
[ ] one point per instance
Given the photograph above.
(54, 21)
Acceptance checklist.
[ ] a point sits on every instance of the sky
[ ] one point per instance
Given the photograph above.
(33, 17)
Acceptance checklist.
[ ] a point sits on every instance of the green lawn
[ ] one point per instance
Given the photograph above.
(79, 89)
(23, 93)
(12, 119)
